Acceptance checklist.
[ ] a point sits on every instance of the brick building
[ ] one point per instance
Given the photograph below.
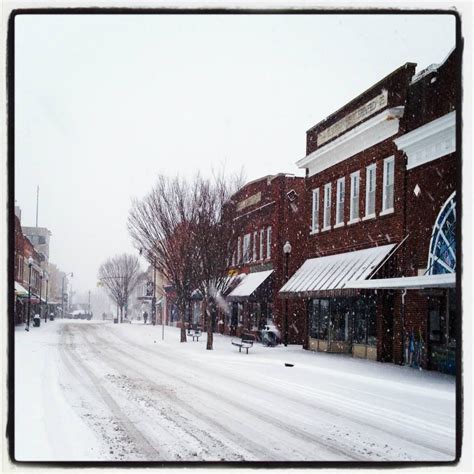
(372, 170)
(26, 272)
(269, 213)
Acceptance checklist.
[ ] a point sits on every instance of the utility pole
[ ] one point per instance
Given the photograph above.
(37, 203)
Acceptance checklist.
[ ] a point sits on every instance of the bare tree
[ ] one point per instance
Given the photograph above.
(214, 240)
(120, 275)
(163, 224)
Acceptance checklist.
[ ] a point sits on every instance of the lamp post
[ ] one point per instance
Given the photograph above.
(287, 252)
(41, 287)
(30, 264)
(153, 299)
(62, 294)
(46, 313)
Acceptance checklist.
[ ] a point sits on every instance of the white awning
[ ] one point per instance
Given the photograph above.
(445, 280)
(335, 271)
(20, 290)
(249, 285)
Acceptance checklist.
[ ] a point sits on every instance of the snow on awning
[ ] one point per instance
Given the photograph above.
(445, 280)
(20, 290)
(333, 272)
(249, 285)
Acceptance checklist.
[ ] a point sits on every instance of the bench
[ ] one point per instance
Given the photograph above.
(246, 342)
(195, 333)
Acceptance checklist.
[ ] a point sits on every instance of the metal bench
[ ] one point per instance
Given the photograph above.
(245, 342)
(195, 333)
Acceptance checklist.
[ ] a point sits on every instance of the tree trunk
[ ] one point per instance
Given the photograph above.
(182, 313)
(121, 314)
(208, 320)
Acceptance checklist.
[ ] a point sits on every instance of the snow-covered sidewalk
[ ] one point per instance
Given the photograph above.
(88, 390)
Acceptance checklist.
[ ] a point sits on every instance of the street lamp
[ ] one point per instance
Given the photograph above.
(30, 264)
(287, 252)
(41, 287)
(62, 294)
(46, 313)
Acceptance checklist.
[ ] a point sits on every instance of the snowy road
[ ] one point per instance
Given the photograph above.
(98, 391)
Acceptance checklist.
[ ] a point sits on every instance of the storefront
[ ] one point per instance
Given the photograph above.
(251, 303)
(340, 319)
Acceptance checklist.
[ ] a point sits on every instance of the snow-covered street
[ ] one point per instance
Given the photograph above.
(89, 390)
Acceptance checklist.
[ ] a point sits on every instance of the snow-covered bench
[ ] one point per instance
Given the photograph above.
(195, 334)
(246, 342)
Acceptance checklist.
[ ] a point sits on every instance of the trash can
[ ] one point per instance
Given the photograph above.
(36, 321)
(269, 338)
(115, 320)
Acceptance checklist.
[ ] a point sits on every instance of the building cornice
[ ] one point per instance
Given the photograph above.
(365, 135)
(430, 141)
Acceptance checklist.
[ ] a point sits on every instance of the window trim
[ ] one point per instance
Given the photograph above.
(254, 246)
(386, 161)
(261, 246)
(315, 210)
(369, 168)
(269, 242)
(246, 258)
(353, 219)
(239, 252)
(327, 209)
(338, 204)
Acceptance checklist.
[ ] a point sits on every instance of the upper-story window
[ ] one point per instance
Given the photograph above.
(246, 249)
(355, 185)
(269, 242)
(327, 206)
(370, 191)
(239, 254)
(388, 184)
(254, 246)
(262, 240)
(315, 211)
(340, 195)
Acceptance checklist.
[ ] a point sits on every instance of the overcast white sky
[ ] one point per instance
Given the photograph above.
(105, 103)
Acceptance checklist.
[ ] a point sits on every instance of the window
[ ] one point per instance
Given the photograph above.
(269, 242)
(262, 238)
(340, 201)
(370, 191)
(388, 180)
(246, 250)
(327, 206)
(254, 252)
(233, 258)
(315, 211)
(239, 255)
(355, 178)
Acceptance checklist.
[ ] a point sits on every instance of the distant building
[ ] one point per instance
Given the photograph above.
(39, 237)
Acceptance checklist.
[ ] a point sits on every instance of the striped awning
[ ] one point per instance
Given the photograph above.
(333, 272)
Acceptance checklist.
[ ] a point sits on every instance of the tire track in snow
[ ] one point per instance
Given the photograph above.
(257, 450)
(274, 422)
(396, 418)
(126, 423)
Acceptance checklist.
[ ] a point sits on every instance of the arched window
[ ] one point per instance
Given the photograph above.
(442, 256)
